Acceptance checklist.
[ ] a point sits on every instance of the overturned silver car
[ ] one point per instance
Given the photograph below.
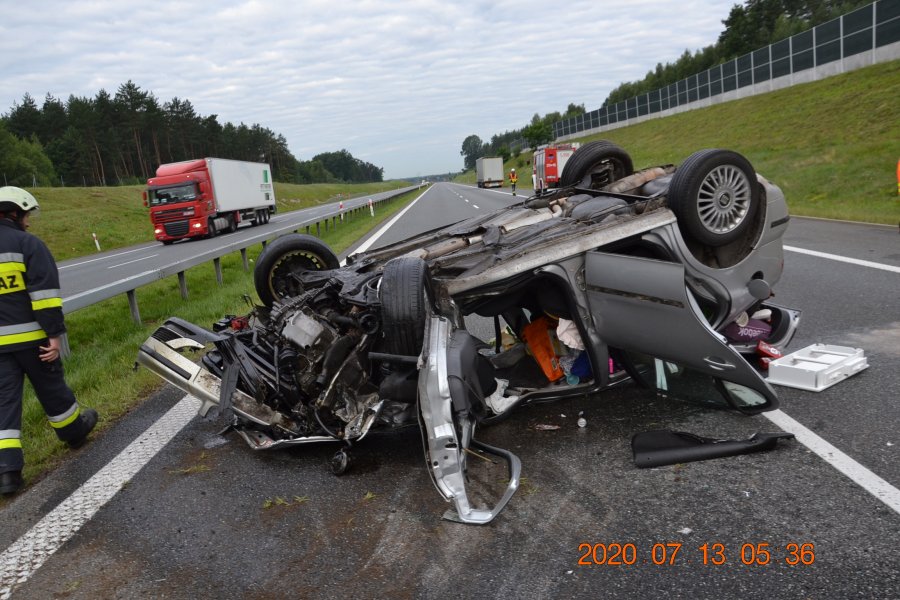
(616, 276)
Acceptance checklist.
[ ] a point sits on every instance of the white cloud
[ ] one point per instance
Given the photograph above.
(397, 83)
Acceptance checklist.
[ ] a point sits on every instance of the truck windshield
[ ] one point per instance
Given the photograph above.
(172, 195)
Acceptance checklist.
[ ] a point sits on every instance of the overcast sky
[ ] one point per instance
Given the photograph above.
(399, 84)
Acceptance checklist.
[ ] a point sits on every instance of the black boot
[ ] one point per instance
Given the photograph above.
(10, 482)
(88, 420)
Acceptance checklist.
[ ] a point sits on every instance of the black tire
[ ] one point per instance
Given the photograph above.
(595, 165)
(715, 196)
(292, 253)
(168, 242)
(232, 224)
(403, 310)
(211, 229)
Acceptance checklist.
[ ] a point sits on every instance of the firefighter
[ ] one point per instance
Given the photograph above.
(513, 178)
(31, 330)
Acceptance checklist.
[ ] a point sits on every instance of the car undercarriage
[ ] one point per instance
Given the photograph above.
(617, 276)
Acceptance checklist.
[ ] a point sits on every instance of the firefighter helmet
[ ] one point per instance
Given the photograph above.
(13, 197)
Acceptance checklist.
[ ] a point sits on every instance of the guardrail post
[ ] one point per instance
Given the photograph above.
(217, 263)
(182, 285)
(318, 233)
(307, 230)
(132, 304)
(244, 259)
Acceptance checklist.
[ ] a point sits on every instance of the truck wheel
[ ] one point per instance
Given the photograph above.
(211, 229)
(715, 196)
(286, 256)
(403, 300)
(232, 224)
(596, 164)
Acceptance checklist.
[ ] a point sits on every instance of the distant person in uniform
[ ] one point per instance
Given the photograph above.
(513, 178)
(31, 330)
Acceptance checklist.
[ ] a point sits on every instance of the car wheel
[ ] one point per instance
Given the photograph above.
(287, 255)
(596, 164)
(402, 293)
(715, 196)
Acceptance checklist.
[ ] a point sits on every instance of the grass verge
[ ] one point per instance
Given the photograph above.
(105, 339)
(832, 145)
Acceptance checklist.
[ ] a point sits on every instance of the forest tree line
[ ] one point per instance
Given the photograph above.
(121, 139)
(749, 26)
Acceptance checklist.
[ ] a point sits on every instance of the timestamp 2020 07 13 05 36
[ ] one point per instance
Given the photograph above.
(709, 553)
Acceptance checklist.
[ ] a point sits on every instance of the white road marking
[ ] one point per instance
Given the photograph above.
(476, 206)
(368, 243)
(846, 259)
(860, 475)
(29, 552)
(132, 261)
(107, 257)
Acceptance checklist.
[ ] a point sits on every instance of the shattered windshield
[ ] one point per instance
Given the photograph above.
(172, 195)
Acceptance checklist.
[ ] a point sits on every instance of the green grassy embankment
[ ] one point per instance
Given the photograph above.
(104, 338)
(831, 145)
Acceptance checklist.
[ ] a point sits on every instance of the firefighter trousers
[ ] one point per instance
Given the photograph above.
(57, 400)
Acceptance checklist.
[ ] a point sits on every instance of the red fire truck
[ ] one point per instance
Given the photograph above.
(548, 164)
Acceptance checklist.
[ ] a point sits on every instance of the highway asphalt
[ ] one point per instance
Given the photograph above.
(207, 517)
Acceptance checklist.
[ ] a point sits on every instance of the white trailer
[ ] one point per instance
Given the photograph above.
(489, 171)
(239, 186)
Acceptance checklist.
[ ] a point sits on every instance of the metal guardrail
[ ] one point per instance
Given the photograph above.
(130, 284)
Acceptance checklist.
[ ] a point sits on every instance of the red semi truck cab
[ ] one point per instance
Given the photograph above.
(203, 197)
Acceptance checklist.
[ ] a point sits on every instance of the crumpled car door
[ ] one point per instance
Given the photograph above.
(448, 423)
(642, 305)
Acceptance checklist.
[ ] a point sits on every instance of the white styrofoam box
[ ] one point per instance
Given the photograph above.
(816, 367)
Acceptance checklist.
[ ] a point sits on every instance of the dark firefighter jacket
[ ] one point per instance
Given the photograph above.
(30, 301)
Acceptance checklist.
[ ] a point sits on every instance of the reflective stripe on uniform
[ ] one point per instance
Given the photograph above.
(25, 332)
(14, 257)
(42, 299)
(46, 303)
(66, 418)
(10, 438)
(44, 295)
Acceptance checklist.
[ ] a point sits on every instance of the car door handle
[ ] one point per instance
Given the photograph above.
(718, 363)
